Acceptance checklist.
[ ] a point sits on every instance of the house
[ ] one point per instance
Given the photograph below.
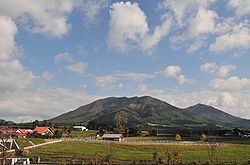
(44, 131)
(8, 132)
(113, 137)
(80, 128)
(23, 132)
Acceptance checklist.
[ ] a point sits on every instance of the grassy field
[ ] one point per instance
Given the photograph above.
(25, 142)
(139, 152)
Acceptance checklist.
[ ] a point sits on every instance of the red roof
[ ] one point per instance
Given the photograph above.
(41, 130)
(24, 131)
(8, 131)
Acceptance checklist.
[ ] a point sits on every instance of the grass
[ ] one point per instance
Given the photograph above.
(25, 142)
(139, 152)
(83, 134)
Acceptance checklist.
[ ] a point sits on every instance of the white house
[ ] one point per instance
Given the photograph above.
(80, 128)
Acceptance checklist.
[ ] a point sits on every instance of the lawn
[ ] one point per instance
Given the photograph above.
(25, 142)
(139, 152)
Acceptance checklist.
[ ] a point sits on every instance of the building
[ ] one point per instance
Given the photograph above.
(44, 131)
(23, 132)
(80, 128)
(113, 137)
(9, 133)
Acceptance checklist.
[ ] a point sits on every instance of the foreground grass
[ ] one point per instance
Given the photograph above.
(25, 142)
(140, 152)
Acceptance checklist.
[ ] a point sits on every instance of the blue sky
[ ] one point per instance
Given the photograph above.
(58, 55)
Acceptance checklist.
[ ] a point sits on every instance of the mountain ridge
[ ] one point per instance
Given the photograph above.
(146, 109)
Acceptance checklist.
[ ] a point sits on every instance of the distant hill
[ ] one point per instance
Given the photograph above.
(148, 111)
(6, 123)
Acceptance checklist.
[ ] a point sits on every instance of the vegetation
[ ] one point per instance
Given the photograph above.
(141, 152)
(26, 142)
(82, 134)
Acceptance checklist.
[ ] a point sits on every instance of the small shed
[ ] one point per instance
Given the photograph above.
(80, 128)
(113, 137)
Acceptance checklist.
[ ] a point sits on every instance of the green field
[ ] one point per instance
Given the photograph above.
(25, 142)
(72, 151)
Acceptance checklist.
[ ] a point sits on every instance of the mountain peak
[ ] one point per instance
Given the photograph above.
(146, 109)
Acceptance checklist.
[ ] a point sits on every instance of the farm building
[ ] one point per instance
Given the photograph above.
(80, 128)
(44, 131)
(113, 137)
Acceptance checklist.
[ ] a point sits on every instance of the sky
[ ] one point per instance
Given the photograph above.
(58, 55)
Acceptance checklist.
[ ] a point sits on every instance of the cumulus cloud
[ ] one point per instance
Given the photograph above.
(47, 76)
(220, 71)
(240, 7)
(79, 67)
(202, 23)
(41, 103)
(48, 17)
(65, 56)
(150, 41)
(174, 71)
(170, 71)
(7, 34)
(92, 9)
(127, 24)
(117, 80)
(232, 83)
(237, 39)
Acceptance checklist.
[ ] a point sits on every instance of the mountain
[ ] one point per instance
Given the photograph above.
(148, 111)
(6, 123)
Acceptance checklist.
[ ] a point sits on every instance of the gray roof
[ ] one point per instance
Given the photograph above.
(112, 136)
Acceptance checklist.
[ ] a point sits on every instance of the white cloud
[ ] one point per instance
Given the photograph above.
(202, 23)
(237, 39)
(127, 24)
(7, 34)
(65, 56)
(170, 71)
(182, 79)
(47, 76)
(181, 9)
(13, 75)
(230, 84)
(48, 17)
(220, 71)
(241, 7)
(79, 67)
(92, 9)
(41, 103)
(149, 41)
(116, 80)
(174, 71)
(195, 47)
